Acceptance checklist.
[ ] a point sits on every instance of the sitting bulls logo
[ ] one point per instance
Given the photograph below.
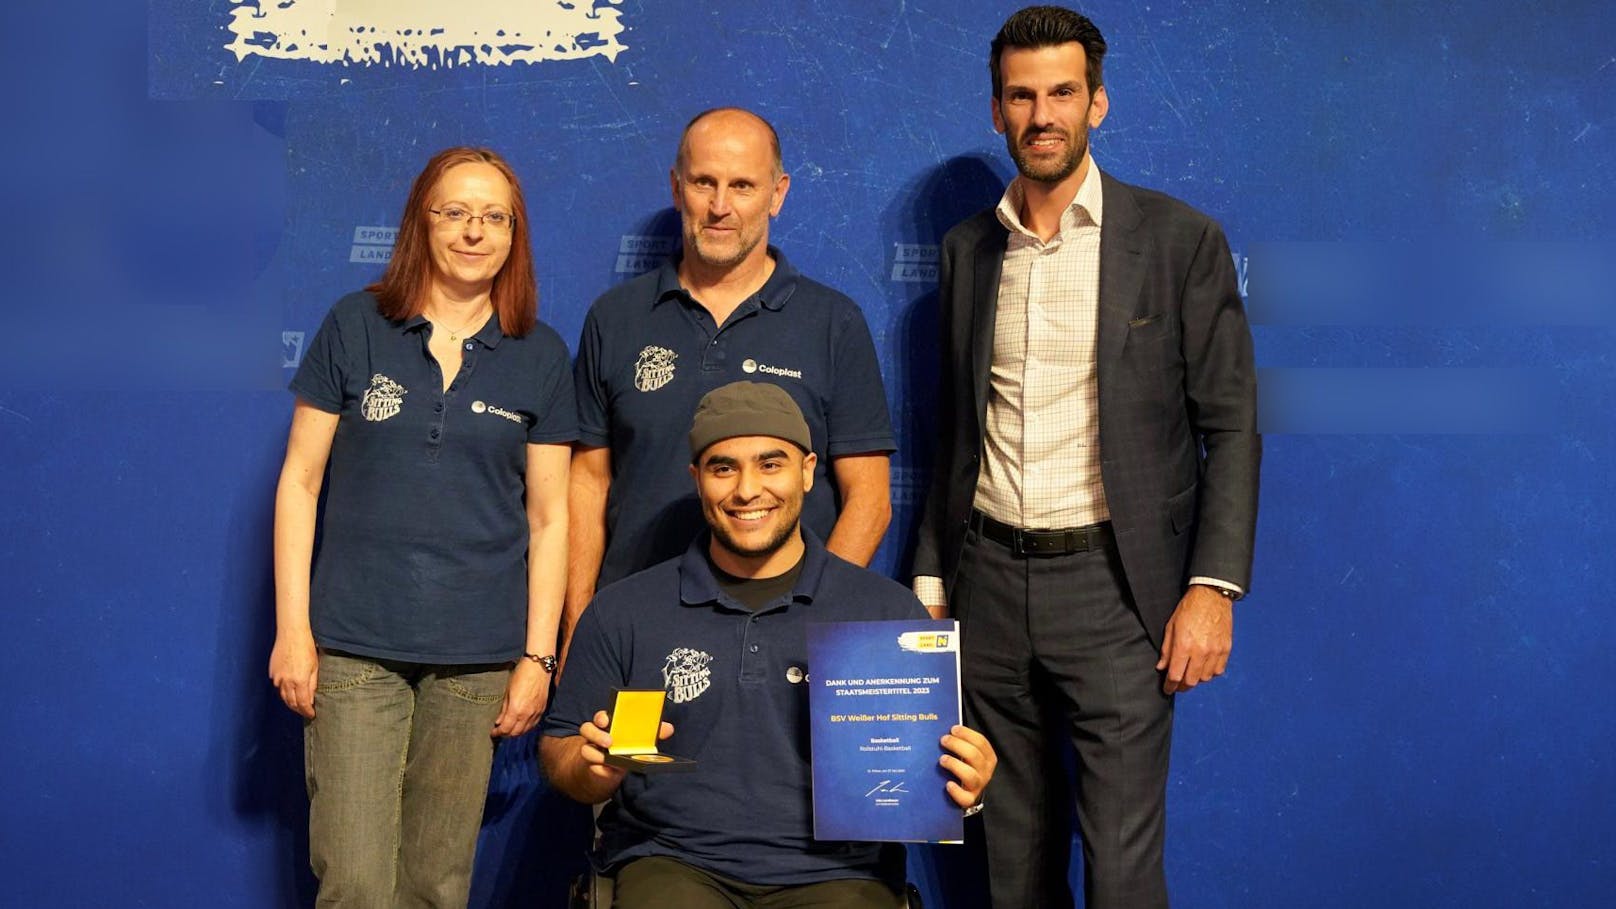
(685, 674)
(384, 398)
(654, 369)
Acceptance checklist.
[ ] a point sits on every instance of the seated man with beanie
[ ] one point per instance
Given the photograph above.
(722, 629)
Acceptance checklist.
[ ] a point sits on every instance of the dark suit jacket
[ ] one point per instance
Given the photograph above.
(1178, 414)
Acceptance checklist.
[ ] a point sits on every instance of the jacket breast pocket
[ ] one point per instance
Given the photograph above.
(1149, 346)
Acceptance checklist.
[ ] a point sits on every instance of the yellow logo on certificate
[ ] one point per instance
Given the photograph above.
(928, 642)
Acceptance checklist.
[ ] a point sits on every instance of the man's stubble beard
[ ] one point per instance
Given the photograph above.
(772, 546)
(1077, 147)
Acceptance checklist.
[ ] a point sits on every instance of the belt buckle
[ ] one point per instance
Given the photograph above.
(1033, 543)
(1018, 549)
(1049, 542)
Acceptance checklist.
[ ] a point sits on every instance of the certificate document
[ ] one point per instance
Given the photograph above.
(881, 697)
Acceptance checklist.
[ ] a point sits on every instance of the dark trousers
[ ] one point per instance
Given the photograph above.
(1054, 651)
(660, 882)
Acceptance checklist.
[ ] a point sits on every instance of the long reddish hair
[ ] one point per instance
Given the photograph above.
(402, 291)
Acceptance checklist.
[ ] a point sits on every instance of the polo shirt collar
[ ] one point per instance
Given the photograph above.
(667, 282)
(489, 335)
(773, 295)
(698, 587)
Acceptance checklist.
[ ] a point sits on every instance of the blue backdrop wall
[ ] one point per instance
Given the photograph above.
(1419, 197)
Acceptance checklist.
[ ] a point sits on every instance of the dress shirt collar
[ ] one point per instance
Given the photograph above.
(1089, 199)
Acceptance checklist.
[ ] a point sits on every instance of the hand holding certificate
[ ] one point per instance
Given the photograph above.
(884, 698)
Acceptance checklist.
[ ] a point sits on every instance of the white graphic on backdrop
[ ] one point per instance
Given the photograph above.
(426, 33)
(372, 244)
(383, 399)
(639, 253)
(909, 486)
(291, 349)
(914, 263)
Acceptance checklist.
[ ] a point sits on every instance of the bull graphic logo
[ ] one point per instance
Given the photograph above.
(685, 674)
(654, 369)
(383, 399)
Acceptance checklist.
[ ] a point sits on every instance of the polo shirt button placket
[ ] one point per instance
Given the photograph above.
(434, 435)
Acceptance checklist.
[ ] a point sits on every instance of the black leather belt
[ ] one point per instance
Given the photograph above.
(1043, 542)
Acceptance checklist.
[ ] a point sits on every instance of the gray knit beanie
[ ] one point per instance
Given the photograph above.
(747, 409)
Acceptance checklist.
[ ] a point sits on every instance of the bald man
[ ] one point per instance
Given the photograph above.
(727, 307)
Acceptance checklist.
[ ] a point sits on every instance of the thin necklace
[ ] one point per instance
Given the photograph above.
(454, 334)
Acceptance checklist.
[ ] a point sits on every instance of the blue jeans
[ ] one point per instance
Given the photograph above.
(397, 760)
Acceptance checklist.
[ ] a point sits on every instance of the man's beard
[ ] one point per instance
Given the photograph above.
(713, 258)
(770, 546)
(1048, 171)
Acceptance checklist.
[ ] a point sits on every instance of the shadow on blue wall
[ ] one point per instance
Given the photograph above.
(941, 197)
(261, 746)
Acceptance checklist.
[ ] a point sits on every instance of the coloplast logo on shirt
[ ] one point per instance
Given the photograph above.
(686, 675)
(496, 410)
(750, 365)
(654, 369)
(383, 399)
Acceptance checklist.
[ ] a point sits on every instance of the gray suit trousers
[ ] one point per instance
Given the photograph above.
(1054, 652)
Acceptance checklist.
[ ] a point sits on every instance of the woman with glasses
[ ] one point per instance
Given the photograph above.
(441, 410)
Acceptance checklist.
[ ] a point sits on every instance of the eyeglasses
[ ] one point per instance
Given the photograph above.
(495, 220)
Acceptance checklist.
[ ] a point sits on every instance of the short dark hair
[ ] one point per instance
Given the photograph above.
(1046, 26)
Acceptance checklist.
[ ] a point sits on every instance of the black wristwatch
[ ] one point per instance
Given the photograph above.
(548, 661)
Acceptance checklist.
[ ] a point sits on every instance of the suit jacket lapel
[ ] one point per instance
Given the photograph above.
(1122, 271)
(989, 260)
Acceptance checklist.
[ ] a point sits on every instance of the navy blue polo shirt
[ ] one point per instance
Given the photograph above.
(649, 352)
(738, 702)
(424, 537)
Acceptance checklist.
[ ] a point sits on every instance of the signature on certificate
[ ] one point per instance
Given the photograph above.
(886, 786)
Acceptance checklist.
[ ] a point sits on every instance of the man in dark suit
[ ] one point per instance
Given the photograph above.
(1093, 505)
